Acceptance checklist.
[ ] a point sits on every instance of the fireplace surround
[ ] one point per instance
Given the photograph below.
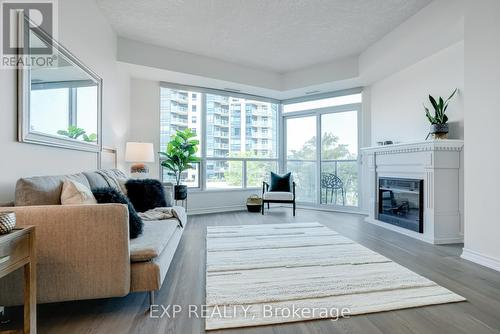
(437, 166)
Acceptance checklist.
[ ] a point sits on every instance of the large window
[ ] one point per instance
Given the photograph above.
(238, 136)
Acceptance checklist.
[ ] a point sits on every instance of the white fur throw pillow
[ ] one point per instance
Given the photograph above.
(76, 193)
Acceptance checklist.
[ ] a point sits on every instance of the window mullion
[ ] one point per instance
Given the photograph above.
(244, 175)
(203, 136)
(72, 97)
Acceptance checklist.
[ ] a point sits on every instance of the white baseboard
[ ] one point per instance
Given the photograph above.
(219, 209)
(484, 260)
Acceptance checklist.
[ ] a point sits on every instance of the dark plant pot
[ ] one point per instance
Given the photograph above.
(439, 128)
(439, 131)
(180, 192)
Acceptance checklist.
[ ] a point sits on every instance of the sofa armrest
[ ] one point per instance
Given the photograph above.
(82, 252)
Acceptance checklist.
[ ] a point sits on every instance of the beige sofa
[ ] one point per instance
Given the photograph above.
(84, 251)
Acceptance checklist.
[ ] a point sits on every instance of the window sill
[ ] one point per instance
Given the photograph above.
(199, 191)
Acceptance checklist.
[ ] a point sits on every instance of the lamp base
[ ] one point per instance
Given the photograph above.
(139, 168)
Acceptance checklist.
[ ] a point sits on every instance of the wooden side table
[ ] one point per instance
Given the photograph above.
(17, 249)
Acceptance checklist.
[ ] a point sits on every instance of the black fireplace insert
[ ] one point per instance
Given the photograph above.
(401, 202)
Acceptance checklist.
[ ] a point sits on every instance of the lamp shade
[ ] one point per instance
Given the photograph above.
(139, 152)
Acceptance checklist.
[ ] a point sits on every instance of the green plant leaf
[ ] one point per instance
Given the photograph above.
(433, 102)
(452, 94)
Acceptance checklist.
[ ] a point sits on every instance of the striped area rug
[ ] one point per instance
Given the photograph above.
(268, 274)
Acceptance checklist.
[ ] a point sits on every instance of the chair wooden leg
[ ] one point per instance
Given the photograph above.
(268, 207)
(262, 209)
(343, 197)
(294, 208)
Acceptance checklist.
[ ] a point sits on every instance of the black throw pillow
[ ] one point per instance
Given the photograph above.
(280, 182)
(111, 195)
(146, 194)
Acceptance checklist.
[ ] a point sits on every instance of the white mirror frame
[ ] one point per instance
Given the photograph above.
(24, 92)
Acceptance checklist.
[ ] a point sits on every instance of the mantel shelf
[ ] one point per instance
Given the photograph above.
(417, 146)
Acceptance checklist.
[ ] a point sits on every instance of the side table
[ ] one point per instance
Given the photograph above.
(17, 250)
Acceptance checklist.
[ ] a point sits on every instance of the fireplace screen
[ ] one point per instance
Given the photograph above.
(400, 203)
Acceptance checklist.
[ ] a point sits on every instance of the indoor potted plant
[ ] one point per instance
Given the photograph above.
(179, 157)
(439, 122)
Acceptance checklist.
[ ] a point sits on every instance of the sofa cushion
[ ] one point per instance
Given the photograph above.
(74, 193)
(146, 194)
(155, 237)
(44, 190)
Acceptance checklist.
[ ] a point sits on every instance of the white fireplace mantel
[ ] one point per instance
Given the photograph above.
(440, 164)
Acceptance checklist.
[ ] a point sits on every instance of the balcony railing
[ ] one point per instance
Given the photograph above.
(176, 120)
(344, 194)
(221, 123)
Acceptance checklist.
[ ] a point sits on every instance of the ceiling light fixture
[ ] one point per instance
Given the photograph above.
(312, 92)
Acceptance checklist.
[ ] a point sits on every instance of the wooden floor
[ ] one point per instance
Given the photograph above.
(185, 285)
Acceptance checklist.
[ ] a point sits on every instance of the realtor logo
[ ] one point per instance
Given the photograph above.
(40, 18)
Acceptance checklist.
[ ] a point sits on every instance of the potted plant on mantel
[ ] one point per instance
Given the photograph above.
(439, 122)
(179, 157)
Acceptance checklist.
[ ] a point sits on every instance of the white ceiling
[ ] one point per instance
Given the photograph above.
(275, 35)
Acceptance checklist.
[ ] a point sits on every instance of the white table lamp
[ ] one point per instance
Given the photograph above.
(139, 154)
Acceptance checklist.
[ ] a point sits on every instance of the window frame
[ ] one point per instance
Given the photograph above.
(201, 93)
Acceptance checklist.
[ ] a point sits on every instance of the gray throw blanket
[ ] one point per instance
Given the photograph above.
(165, 213)
(113, 177)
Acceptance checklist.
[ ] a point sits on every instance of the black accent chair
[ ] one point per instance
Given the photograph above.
(277, 196)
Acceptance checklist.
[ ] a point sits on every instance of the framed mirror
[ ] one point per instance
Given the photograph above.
(59, 97)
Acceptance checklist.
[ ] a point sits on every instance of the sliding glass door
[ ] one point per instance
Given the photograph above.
(321, 148)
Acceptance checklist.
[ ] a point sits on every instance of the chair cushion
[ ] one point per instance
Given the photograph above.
(278, 196)
(155, 237)
(44, 190)
(280, 182)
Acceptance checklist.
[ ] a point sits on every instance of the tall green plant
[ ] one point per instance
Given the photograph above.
(440, 107)
(180, 153)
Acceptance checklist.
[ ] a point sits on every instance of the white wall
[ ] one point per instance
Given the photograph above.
(84, 31)
(396, 102)
(482, 160)
(145, 116)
